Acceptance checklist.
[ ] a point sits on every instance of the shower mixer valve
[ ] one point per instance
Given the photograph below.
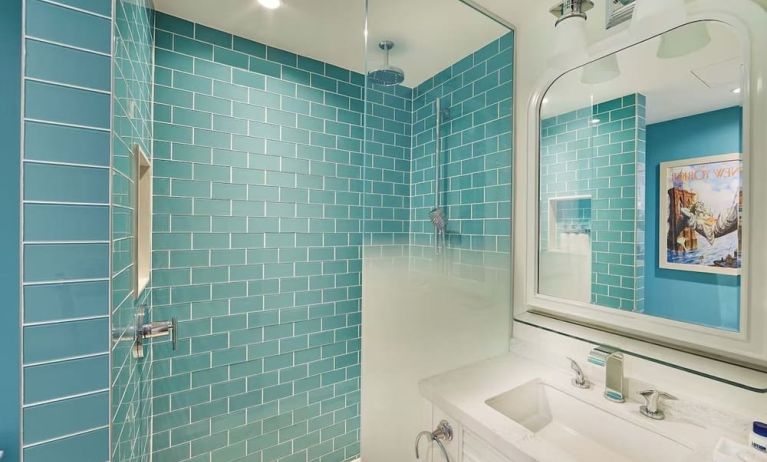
(153, 330)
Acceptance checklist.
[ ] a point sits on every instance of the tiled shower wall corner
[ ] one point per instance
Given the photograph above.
(604, 160)
(65, 171)
(258, 207)
(388, 165)
(132, 126)
(476, 158)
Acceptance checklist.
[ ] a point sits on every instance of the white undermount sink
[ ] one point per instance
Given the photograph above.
(581, 430)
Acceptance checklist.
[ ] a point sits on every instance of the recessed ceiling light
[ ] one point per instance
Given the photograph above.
(736, 91)
(271, 4)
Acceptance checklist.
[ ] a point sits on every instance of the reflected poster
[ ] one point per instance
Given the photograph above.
(701, 211)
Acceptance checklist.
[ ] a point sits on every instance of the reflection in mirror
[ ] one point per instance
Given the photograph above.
(640, 201)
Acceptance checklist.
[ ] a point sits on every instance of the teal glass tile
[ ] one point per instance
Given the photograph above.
(89, 446)
(67, 105)
(173, 24)
(249, 47)
(67, 65)
(58, 143)
(60, 262)
(265, 67)
(43, 222)
(65, 301)
(64, 25)
(192, 47)
(68, 378)
(50, 420)
(172, 60)
(230, 57)
(248, 79)
(216, 37)
(194, 83)
(54, 341)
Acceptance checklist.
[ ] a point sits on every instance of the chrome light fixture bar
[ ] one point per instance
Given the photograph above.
(571, 9)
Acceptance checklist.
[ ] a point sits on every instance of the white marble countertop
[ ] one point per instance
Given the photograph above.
(462, 394)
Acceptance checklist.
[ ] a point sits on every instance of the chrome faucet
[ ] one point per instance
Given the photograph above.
(612, 360)
(580, 380)
(651, 408)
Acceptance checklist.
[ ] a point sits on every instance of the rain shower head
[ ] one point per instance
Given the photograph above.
(387, 75)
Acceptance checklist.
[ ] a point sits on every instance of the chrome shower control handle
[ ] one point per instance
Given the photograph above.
(443, 432)
(651, 408)
(153, 330)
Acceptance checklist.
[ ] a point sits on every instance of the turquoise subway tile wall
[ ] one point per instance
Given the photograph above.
(257, 232)
(476, 158)
(388, 165)
(65, 212)
(597, 153)
(131, 119)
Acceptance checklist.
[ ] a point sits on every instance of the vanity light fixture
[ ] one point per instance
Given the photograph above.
(669, 14)
(570, 29)
(601, 71)
(684, 40)
(270, 4)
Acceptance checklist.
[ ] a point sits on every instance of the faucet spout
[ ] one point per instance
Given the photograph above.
(612, 360)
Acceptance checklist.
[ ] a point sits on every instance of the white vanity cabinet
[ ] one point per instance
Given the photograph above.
(475, 449)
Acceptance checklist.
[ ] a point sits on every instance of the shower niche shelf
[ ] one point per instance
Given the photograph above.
(570, 224)
(142, 221)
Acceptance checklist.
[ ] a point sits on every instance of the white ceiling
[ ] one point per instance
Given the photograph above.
(429, 35)
(699, 82)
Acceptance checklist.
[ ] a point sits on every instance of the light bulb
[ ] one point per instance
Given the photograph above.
(271, 4)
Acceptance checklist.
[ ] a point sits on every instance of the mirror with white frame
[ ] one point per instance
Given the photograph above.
(640, 185)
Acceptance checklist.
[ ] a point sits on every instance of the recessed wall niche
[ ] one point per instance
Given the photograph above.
(142, 220)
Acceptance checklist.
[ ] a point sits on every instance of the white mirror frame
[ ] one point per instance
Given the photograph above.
(644, 333)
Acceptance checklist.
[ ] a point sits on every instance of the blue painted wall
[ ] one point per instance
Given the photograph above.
(10, 95)
(706, 299)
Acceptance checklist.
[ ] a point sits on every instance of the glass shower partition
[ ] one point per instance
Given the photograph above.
(436, 253)
(130, 387)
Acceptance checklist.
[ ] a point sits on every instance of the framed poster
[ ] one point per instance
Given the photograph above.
(701, 204)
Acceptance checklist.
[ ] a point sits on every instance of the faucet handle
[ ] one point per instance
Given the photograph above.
(580, 380)
(653, 398)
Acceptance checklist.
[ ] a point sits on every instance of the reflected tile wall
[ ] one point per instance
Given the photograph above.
(65, 354)
(131, 111)
(606, 161)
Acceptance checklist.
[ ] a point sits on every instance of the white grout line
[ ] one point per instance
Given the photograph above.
(68, 85)
(73, 8)
(65, 398)
(69, 435)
